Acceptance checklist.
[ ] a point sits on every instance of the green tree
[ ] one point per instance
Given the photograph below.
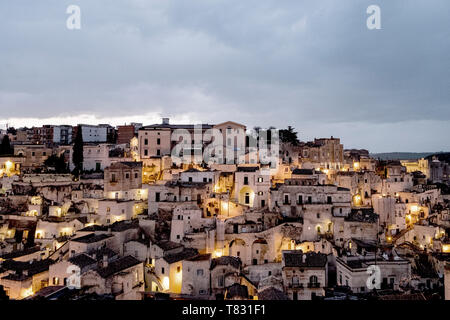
(5, 147)
(289, 136)
(57, 162)
(77, 156)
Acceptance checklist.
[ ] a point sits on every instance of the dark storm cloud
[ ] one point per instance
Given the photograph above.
(310, 64)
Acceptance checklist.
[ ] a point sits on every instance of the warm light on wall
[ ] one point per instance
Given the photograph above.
(446, 248)
(8, 165)
(218, 253)
(166, 283)
(357, 200)
(179, 276)
(27, 292)
(224, 206)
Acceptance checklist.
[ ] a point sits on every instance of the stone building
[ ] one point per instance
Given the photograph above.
(305, 275)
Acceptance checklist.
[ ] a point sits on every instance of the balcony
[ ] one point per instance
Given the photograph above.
(296, 285)
(314, 285)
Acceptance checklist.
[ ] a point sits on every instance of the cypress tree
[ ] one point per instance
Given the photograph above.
(77, 156)
(5, 147)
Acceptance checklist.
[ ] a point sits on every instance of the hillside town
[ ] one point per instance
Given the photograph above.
(137, 212)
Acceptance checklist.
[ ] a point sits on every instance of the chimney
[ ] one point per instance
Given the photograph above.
(105, 261)
(165, 120)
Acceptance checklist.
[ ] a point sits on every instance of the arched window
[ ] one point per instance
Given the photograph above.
(313, 279)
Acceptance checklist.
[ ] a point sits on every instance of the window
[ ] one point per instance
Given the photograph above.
(158, 141)
(157, 197)
(127, 176)
(158, 152)
(245, 180)
(136, 175)
(260, 179)
(199, 272)
(162, 270)
(146, 141)
(178, 269)
(145, 152)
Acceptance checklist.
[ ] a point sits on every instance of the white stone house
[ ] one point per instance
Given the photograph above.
(305, 275)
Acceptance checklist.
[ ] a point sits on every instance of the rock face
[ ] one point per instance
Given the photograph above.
(292, 232)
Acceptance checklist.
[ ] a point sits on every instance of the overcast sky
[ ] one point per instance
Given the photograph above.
(310, 64)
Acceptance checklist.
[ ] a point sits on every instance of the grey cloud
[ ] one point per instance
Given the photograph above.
(310, 64)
